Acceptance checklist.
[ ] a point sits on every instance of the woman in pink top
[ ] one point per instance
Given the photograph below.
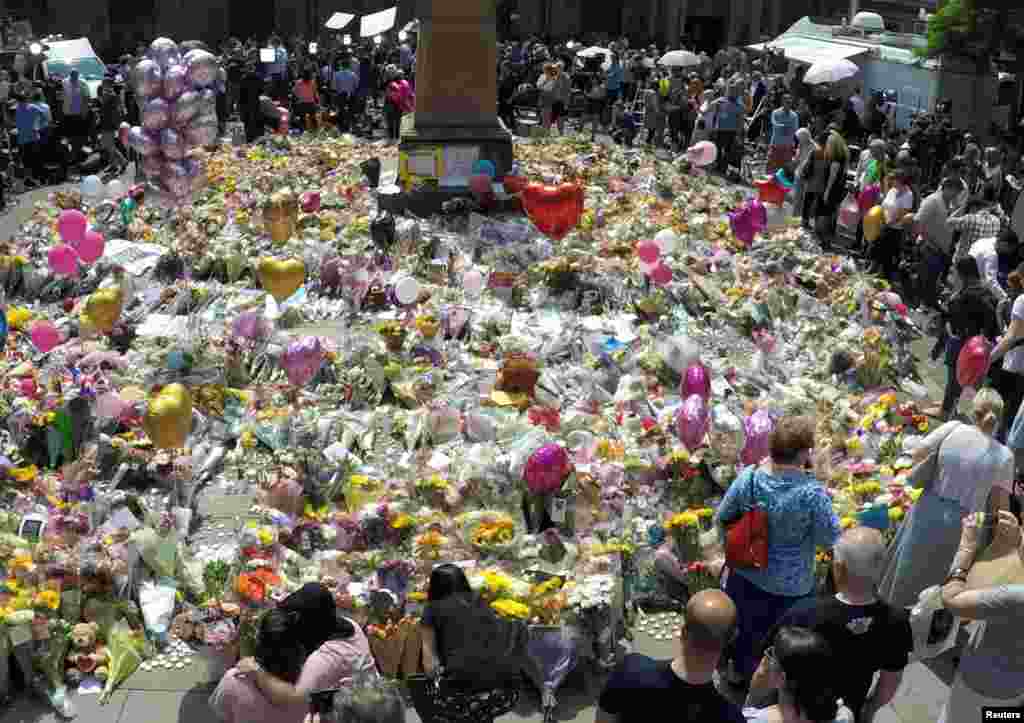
(398, 100)
(261, 690)
(307, 97)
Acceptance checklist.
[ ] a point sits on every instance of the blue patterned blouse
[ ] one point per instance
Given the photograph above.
(800, 518)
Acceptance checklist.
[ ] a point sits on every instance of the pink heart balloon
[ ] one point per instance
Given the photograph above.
(45, 336)
(110, 406)
(310, 201)
(648, 251)
(758, 427)
(697, 380)
(91, 247)
(546, 469)
(63, 260)
(662, 275)
(71, 225)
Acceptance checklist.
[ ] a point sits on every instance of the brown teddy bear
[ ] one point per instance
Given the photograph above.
(86, 656)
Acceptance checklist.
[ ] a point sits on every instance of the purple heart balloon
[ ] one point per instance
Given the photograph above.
(758, 427)
(185, 108)
(172, 145)
(156, 114)
(697, 380)
(692, 422)
(251, 326)
(302, 359)
(546, 469)
(164, 52)
(143, 143)
(202, 68)
(175, 82)
(175, 180)
(147, 78)
(742, 225)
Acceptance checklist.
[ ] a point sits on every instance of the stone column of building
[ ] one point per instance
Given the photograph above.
(755, 11)
(654, 28)
(456, 82)
(684, 14)
(774, 17)
(737, 10)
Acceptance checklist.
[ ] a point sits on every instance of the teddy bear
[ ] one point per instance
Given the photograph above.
(87, 656)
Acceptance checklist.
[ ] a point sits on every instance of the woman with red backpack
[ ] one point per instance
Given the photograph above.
(398, 100)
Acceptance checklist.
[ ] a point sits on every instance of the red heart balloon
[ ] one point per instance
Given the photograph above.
(514, 184)
(554, 210)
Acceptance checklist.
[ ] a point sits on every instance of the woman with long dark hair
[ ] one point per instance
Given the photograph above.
(476, 656)
(337, 650)
(802, 668)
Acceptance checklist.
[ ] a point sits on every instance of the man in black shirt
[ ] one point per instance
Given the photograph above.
(642, 688)
(866, 634)
(971, 312)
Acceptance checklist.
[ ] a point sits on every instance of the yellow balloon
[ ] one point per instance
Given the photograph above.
(168, 420)
(283, 277)
(873, 220)
(103, 308)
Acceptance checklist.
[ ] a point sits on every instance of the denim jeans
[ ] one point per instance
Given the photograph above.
(953, 389)
(934, 267)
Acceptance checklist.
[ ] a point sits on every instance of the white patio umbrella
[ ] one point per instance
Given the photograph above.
(830, 71)
(594, 51)
(679, 59)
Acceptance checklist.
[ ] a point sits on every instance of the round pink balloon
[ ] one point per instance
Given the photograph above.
(702, 154)
(693, 421)
(91, 246)
(45, 336)
(71, 225)
(63, 260)
(662, 275)
(110, 406)
(648, 251)
(546, 469)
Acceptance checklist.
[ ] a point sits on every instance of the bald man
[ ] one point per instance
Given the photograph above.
(867, 634)
(681, 688)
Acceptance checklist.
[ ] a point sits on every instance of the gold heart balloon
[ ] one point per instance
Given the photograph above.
(281, 215)
(168, 420)
(281, 277)
(103, 308)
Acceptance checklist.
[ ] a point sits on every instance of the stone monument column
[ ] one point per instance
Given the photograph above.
(456, 85)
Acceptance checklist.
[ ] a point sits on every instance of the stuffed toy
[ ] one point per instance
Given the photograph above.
(86, 656)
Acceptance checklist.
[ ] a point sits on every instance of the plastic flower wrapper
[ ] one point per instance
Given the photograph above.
(158, 552)
(50, 662)
(490, 532)
(551, 653)
(127, 651)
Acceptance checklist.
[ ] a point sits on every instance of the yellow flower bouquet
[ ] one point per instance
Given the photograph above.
(684, 527)
(489, 532)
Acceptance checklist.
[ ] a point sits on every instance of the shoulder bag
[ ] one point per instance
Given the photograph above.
(923, 474)
(746, 543)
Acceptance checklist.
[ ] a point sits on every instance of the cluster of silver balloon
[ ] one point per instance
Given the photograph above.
(178, 100)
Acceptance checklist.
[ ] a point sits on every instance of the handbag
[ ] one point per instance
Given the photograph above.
(923, 473)
(746, 543)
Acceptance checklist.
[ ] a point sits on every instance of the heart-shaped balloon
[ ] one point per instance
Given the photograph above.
(103, 308)
(973, 361)
(554, 210)
(515, 184)
(546, 469)
(91, 247)
(769, 191)
(758, 428)
(874, 219)
(310, 201)
(63, 260)
(692, 422)
(168, 420)
(281, 277)
(302, 359)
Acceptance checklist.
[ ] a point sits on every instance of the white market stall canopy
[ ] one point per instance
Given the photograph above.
(377, 23)
(808, 50)
(338, 21)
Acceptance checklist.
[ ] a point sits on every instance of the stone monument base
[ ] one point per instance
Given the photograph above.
(493, 144)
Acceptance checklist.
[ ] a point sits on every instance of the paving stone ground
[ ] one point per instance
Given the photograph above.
(181, 697)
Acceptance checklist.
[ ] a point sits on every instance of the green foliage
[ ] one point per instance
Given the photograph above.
(950, 28)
